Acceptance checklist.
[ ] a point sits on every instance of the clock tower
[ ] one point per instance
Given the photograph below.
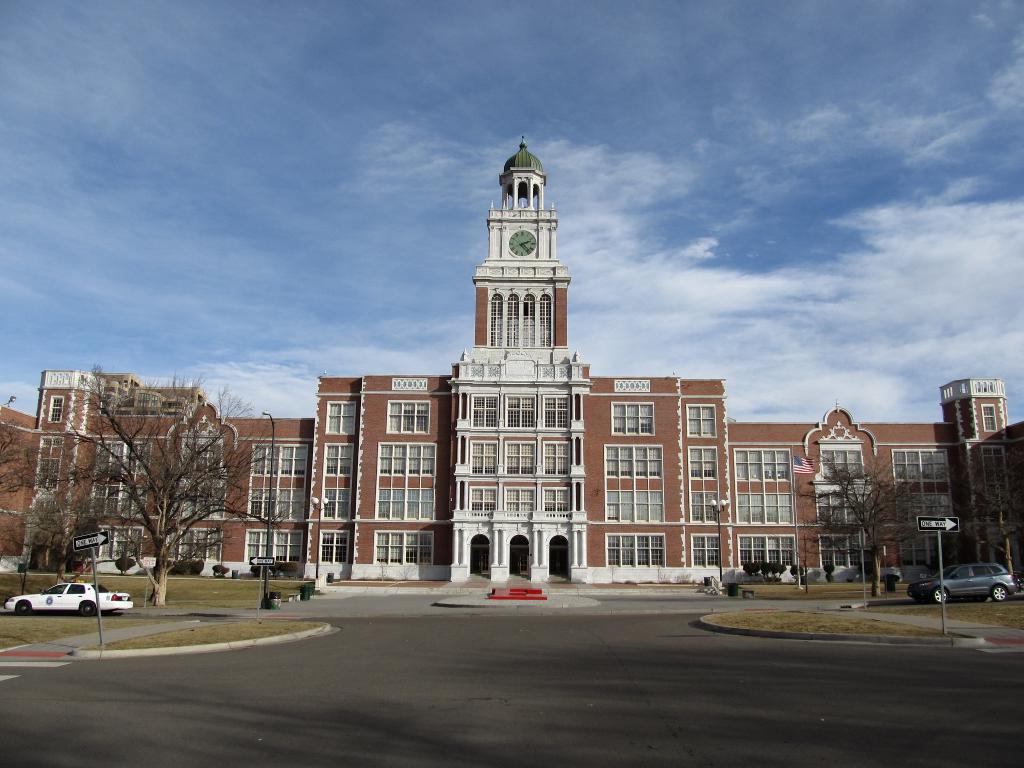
(518, 501)
(521, 287)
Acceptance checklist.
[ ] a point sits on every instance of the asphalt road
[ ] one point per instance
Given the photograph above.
(525, 690)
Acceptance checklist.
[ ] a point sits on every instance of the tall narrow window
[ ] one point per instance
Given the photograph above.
(988, 417)
(56, 409)
(529, 321)
(496, 324)
(513, 321)
(545, 321)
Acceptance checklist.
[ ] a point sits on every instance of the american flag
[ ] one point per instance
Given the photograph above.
(803, 466)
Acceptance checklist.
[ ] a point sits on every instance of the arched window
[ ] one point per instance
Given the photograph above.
(512, 321)
(529, 321)
(545, 321)
(496, 320)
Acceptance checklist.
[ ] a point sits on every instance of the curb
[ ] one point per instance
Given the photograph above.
(89, 655)
(705, 623)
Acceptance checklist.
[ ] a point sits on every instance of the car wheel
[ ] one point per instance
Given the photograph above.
(87, 608)
(23, 608)
(939, 595)
(999, 593)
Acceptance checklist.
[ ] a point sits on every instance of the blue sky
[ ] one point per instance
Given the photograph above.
(817, 201)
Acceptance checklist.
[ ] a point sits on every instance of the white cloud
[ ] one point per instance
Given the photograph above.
(1007, 88)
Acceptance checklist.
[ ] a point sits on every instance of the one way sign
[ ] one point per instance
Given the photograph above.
(90, 540)
(944, 524)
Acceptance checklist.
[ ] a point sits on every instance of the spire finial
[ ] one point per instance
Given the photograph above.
(522, 144)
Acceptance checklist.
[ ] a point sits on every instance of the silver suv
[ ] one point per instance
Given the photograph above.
(973, 581)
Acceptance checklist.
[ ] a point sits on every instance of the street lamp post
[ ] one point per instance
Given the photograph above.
(719, 507)
(319, 517)
(268, 550)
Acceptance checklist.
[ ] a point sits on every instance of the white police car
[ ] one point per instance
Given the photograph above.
(70, 597)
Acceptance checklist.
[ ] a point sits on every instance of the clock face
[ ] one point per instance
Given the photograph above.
(522, 243)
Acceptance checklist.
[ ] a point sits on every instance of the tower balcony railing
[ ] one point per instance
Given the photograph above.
(502, 515)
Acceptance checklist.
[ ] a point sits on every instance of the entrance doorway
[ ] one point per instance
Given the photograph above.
(519, 557)
(558, 557)
(480, 555)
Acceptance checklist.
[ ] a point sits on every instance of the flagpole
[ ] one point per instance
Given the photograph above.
(799, 466)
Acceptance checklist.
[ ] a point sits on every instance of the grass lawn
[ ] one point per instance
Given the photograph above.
(206, 634)
(182, 591)
(1006, 614)
(795, 621)
(17, 630)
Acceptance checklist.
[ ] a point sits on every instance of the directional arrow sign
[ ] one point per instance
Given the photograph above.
(945, 524)
(261, 561)
(90, 540)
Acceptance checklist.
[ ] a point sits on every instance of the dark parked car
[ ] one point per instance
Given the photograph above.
(973, 581)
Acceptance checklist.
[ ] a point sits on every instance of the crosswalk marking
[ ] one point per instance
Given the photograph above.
(5, 664)
(7, 677)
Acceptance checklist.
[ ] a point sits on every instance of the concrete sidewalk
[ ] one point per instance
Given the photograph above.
(993, 635)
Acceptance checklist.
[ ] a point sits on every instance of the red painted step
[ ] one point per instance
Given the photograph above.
(516, 593)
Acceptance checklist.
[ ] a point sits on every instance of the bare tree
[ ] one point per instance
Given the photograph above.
(997, 506)
(50, 503)
(864, 499)
(15, 484)
(53, 521)
(168, 461)
(15, 460)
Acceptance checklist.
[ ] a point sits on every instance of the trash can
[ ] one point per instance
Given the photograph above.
(890, 581)
(707, 581)
(330, 578)
(275, 601)
(306, 591)
(22, 567)
(733, 589)
(234, 574)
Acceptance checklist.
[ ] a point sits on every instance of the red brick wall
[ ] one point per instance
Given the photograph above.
(561, 310)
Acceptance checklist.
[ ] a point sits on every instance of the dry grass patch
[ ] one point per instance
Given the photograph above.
(818, 623)
(17, 630)
(182, 591)
(1008, 614)
(824, 591)
(206, 634)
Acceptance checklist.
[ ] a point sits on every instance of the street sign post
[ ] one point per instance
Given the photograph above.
(265, 563)
(92, 541)
(940, 524)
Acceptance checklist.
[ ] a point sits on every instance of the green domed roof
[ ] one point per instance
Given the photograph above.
(523, 159)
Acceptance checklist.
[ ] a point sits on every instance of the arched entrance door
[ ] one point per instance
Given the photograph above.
(480, 555)
(519, 557)
(558, 557)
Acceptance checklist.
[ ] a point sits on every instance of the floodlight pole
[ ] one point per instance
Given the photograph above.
(268, 550)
